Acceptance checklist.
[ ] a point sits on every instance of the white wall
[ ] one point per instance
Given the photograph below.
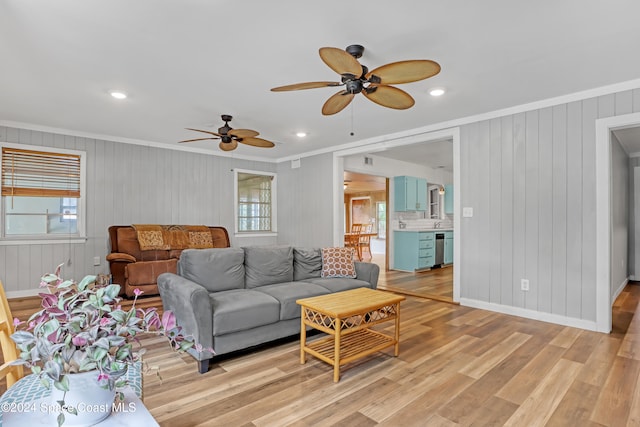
(530, 178)
(383, 166)
(305, 202)
(128, 184)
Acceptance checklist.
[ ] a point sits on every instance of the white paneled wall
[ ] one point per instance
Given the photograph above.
(128, 184)
(305, 202)
(530, 178)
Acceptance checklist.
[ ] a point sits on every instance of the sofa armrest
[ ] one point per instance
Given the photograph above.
(117, 256)
(369, 272)
(190, 303)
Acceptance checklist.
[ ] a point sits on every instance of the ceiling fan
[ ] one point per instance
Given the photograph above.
(375, 84)
(230, 137)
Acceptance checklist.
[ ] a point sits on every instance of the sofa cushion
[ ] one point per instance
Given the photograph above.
(288, 293)
(338, 262)
(265, 265)
(217, 269)
(339, 284)
(307, 263)
(241, 309)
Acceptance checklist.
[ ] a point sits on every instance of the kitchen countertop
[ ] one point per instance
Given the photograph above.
(423, 229)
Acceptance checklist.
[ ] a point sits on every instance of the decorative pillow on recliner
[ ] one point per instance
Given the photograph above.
(338, 262)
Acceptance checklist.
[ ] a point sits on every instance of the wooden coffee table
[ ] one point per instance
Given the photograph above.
(346, 317)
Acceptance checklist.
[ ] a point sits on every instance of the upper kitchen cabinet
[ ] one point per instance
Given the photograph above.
(448, 199)
(410, 193)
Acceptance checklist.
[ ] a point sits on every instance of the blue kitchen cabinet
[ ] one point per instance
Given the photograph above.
(448, 199)
(413, 250)
(448, 247)
(410, 194)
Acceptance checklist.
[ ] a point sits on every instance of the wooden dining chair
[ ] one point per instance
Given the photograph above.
(9, 352)
(356, 228)
(365, 243)
(352, 240)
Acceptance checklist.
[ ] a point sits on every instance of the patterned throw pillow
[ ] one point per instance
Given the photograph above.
(338, 262)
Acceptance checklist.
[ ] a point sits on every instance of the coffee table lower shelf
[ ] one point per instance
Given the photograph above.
(352, 346)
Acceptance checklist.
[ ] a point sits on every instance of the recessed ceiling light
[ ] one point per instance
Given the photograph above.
(301, 134)
(436, 92)
(118, 94)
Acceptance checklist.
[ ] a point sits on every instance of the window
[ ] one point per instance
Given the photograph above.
(255, 210)
(41, 192)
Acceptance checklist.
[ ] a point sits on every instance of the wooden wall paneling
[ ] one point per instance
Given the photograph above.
(92, 205)
(507, 197)
(11, 269)
(24, 268)
(590, 112)
(118, 168)
(545, 210)
(287, 195)
(484, 209)
(519, 207)
(495, 206)
(467, 234)
(13, 135)
(574, 209)
(102, 200)
(623, 103)
(559, 191)
(215, 192)
(36, 268)
(532, 201)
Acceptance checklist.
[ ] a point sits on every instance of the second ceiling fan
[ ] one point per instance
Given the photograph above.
(230, 137)
(375, 84)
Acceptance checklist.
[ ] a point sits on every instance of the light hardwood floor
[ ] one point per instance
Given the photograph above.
(457, 366)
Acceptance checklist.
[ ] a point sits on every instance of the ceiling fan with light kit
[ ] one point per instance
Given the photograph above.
(231, 137)
(375, 84)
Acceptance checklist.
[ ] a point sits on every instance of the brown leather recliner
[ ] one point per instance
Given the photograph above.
(133, 268)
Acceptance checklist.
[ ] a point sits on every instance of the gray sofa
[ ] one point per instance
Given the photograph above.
(234, 298)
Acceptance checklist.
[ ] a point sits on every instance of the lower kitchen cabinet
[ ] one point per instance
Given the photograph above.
(448, 247)
(413, 250)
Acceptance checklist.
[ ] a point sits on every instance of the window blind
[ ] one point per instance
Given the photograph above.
(40, 173)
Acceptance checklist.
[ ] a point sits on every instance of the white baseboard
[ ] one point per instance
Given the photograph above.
(618, 291)
(530, 314)
(25, 293)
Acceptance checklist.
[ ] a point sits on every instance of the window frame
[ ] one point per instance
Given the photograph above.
(80, 235)
(274, 198)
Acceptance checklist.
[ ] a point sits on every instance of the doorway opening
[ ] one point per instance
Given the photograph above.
(365, 201)
(354, 160)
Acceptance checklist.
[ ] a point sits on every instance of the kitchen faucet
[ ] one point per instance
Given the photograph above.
(436, 224)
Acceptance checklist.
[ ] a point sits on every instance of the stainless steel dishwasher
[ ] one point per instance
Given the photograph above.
(439, 249)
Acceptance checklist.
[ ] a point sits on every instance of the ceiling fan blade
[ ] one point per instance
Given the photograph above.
(228, 146)
(337, 102)
(197, 139)
(257, 142)
(308, 85)
(205, 131)
(404, 71)
(243, 133)
(389, 96)
(340, 61)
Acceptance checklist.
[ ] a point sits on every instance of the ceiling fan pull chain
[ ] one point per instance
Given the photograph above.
(352, 133)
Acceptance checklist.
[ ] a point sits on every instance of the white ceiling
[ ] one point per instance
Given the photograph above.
(184, 63)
